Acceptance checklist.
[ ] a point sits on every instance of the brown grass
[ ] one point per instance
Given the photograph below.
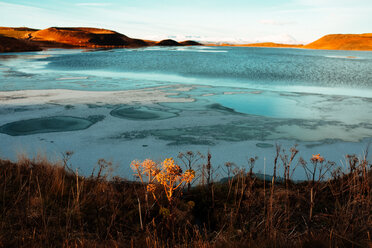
(50, 205)
(18, 33)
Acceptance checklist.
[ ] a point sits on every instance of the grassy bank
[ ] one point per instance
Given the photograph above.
(50, 205)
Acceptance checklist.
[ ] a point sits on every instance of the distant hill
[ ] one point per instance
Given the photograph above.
(18, 33)
(328, 42)
(66, 37)
(9, 44)
(265, 44)
(343, 42)
(85, 37)
(168, 42)
(190, 43)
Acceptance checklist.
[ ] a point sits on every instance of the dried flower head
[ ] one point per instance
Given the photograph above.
(229, 164)
(171, 168)
(317, 158)
(169, 175)
(188, 176)
(135, 164)
(151, 187)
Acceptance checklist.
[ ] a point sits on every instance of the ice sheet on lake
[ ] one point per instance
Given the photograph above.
(156, 102)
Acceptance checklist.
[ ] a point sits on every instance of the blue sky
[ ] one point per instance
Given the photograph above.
(215, 20)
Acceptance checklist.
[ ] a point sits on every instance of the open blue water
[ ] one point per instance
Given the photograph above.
(347, 72)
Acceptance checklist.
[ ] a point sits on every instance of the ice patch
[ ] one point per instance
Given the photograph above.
(141, 113)
(46, 125)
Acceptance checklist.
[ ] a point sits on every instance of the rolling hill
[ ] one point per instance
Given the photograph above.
(27, 39)
(67, 37)
(168, 42)
(85, 37)
(343, 42)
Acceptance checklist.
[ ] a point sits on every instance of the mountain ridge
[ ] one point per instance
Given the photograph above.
(74, 37)
(89, 37)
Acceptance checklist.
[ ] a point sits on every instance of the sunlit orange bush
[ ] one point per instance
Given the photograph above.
(168, 176)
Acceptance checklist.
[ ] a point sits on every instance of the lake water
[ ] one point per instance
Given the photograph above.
(126, 104)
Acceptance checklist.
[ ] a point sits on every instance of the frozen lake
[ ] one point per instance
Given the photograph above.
(127, 104)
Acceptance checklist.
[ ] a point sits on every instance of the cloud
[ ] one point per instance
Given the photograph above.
(93, 4)
(15, 6)
(276, 23)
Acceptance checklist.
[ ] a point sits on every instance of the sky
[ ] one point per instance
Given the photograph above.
(239, 21)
